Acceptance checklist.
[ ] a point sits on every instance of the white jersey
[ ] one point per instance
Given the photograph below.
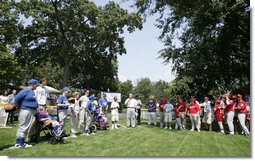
(131, 103)
(114, 107)
(4, 99)
(41, 94)
(84, 101)
(139, 104)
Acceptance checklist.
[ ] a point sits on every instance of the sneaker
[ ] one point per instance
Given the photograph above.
(192, 130)
(87, 134)
(222, 131)
(73, 136)
(165, 127)
(231, 133)
(198, 130)
(170, 128)
(93, 133)
(25, 146)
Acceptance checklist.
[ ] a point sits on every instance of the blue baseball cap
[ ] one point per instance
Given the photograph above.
(65, 89)
(33, 82)
(92, 97)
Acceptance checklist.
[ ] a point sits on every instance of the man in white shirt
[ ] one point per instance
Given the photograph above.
(84, 101)
(131, 105)
(41, 94)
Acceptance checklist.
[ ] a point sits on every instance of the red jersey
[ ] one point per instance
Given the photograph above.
(218, 112)
(177, 113)
(241, 107)
(193, 109)
(161, 106)
(182, 106)
(230, 107)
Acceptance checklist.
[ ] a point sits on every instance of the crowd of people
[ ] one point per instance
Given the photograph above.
(33, 99)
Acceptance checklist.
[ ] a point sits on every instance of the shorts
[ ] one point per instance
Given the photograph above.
(168, 117)
(115, 117)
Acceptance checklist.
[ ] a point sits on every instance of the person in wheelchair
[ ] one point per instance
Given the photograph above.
(49, 120)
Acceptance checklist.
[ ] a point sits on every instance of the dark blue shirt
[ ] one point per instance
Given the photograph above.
(26, 99)
(102, 102)
(90, 107)
(62, 100)
(152, 105)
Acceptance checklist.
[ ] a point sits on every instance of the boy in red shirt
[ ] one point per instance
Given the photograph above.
(182, 108)
(218, 112)
(177, 118)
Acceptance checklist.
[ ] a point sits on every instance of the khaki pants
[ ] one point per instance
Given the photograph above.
(241, 118)
(82, 120)
(194, 118)
(131, 117)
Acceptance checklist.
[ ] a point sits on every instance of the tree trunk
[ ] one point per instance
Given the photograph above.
(66, 72)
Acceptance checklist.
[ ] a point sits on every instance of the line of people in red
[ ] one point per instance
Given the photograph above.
(225, 109)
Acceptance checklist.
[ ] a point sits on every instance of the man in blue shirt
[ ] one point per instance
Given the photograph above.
(27, 103)
(103, 104)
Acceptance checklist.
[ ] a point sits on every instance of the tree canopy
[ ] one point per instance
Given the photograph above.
(73, 37)
(207, 41)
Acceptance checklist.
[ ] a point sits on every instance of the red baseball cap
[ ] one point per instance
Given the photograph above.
(234, 97)
(239, 95)
(217, 101)
(225, 95)
(192, 100)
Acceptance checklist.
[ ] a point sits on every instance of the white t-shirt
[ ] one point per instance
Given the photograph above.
(114, 107)
(131, 102)
(84, 100)
(139, 104)
(168, 107)
(41, 94)
(4, 99)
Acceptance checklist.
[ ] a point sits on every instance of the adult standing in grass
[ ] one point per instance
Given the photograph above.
(229, 113)
(12, 101)
(42, 94)
(161, 110)
(114, 112)
(182, 108)
(241, 113)
(218, 113)
(27, 103)
(83, 100)
(131, 104)
(152, 112)
(194, 113)
(138, 109)
(63, 107)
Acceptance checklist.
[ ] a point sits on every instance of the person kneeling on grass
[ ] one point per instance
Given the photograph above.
(47, 118)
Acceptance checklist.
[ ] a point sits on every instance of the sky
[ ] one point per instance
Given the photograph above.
(142, 48)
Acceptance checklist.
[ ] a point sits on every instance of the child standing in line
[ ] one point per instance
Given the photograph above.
(177, 118)
(114, 112)
(168, 108)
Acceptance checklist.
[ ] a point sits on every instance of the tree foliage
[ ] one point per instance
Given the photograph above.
(208, 41)
(75, 37)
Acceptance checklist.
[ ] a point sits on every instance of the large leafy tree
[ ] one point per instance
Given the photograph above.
(9, 27)
(81, 38)
(208, 41)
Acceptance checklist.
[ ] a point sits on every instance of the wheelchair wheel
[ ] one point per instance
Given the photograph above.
(94, 128)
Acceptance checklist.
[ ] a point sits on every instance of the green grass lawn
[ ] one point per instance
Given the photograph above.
(143, 140)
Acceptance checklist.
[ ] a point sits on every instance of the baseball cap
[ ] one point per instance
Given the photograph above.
(217, 101)
(33, 82)
(65, 89)
(239, 95)
(192, 100)
(92, 97)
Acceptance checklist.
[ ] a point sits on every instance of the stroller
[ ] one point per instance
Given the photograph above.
(53, 134)
(99, 120)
